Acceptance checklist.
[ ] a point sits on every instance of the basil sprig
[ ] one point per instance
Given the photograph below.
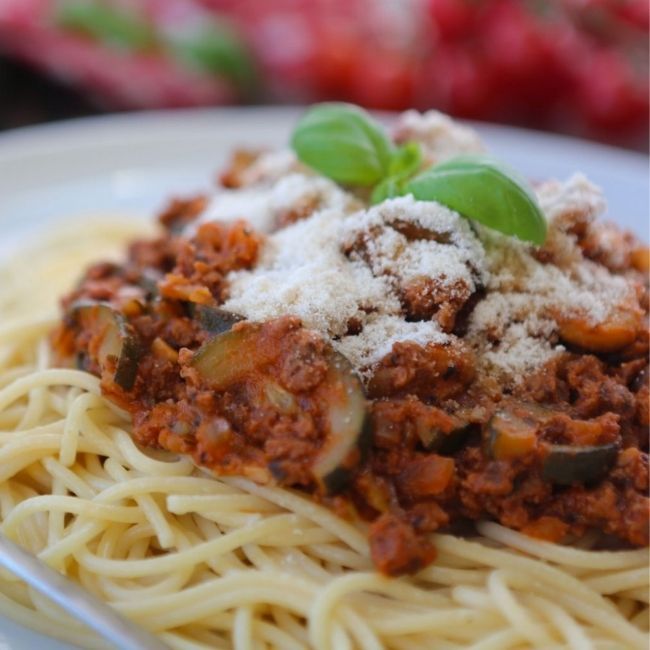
(406, 161)
(486, 190)
(344, 143)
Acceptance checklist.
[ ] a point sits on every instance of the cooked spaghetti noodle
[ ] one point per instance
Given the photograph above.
(221, 563)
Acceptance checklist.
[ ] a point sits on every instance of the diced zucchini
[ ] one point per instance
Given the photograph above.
(349, 427)
(512, 433)
(237, 356)
(119, 340)
(229, 357)
(510, 436)
(566, 464)
(148, 282)
(434, 438)
(280, 399)
(214, 319)
(611, 335)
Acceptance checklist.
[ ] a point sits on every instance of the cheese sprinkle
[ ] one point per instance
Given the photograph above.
(361, 275)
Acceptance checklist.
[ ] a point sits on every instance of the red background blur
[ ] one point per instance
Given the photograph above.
(573, 66)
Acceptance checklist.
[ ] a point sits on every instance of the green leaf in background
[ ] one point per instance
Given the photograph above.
(344, 143)
(483, 189)
(405, 162)
(107, 24)
(216, 47)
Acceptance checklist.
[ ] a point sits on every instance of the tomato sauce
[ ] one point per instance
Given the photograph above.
(426, 444)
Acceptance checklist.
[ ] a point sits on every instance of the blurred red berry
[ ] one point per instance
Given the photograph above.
(577, 65)
(453, 18)
(609, 95)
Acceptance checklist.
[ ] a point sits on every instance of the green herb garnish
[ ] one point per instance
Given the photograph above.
(405, 162)
(483, 189)
(344, 143)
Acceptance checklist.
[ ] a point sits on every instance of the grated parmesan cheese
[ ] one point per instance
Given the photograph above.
(576, 199)
(264, 204)
(344, 269)
(448, 250)
(440, 137)
(302, 271)
(514, 328)
(379, 333)
(270, 166)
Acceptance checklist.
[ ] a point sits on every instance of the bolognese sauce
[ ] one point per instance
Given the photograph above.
(430, 374)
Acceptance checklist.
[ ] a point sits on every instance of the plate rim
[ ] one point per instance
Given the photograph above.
(34, 138)
(36, 141)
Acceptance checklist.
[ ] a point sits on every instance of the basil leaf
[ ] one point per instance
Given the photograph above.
(99, 21)
(344, 143)
(405, 162)
(483, 189)
(216, 47)
(389, 188)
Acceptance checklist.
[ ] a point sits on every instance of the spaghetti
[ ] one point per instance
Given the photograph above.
(221, 563)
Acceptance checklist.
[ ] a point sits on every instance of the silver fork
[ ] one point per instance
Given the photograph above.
(117, 630)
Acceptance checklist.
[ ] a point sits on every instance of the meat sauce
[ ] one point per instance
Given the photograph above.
(427, 444)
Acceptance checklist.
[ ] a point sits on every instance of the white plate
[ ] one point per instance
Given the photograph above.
(132, 163)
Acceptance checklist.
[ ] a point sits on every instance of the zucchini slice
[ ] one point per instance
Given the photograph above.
(349, 430)
(510, 436)
(119, 340)
(237, 356)
(433, 438)
(566, 464)
(230, 357)
(148, 282)
(213, 319)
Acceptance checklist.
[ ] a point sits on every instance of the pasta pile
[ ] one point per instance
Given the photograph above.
(210, 563)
